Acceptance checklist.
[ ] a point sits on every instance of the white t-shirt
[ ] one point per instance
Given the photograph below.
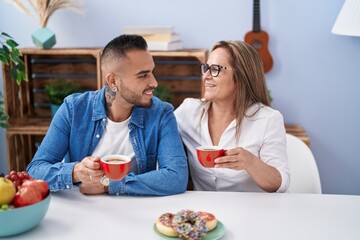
(263, 135)
(115, 140)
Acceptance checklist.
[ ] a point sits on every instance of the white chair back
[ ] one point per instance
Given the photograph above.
(304, 174)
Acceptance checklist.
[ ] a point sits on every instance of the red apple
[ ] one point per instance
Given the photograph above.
(39, 185)
(26, 196)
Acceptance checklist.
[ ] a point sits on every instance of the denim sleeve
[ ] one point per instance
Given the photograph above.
(48, 164)
(172, 174)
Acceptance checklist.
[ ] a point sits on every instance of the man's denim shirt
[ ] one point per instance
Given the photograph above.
(77, 128)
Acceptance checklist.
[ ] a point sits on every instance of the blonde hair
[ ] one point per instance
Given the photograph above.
(249, 79)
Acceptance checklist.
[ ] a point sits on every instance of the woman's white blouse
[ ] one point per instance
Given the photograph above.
(263, 135)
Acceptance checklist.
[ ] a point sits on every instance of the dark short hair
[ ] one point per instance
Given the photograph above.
(119, 46)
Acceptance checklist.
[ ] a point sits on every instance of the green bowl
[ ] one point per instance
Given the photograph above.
(19, 220)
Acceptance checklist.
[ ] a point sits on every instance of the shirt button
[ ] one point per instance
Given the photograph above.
(104, 120)
(67, 186)
(97, 135)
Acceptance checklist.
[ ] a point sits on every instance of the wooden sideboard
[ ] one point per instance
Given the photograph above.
(29, 108)
(298, 131)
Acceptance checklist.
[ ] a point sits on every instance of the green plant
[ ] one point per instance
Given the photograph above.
(10, 55)
(59, 89)
(163, 93)
(270, 97)
(3, 116)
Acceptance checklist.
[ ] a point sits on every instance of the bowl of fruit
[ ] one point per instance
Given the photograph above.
(24, 202)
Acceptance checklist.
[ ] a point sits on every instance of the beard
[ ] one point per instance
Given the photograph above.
(132, 97)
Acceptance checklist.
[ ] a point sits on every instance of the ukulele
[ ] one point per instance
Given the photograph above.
(259, 39)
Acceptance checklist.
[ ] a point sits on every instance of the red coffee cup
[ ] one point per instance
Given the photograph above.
(115, 167)
(207, 154)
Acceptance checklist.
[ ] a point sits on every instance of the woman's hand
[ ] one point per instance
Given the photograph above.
(236, 159)
(267, 177)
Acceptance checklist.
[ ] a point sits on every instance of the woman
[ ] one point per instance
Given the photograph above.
(235, 114)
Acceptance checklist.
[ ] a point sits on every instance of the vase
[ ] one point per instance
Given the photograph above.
(44, 38)
(54, 108)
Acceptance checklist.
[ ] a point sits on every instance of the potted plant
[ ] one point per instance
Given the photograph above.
(163, 93)
(10, 55)
(57, 91)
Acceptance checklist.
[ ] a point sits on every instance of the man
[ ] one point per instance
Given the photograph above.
(122, 118)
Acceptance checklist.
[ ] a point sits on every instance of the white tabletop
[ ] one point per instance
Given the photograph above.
(72, 215)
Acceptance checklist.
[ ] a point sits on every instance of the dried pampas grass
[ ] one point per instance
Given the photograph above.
(46, 8)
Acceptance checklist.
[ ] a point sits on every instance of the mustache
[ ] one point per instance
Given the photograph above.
(151, 88)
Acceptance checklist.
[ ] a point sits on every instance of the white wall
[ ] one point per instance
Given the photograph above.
(314, 82)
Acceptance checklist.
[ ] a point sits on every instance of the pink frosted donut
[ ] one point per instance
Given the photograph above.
(189, 225)
(164, 225)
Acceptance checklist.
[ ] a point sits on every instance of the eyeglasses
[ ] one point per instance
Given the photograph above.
(214, 69)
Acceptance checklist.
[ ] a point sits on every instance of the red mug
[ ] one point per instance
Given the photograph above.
(207, 154)
(115, 167)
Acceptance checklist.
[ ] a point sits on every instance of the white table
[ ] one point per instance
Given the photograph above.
(72, 215)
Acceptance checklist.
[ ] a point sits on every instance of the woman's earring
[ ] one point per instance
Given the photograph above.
(114, 89)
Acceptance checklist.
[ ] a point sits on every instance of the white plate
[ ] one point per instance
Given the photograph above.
(215, 234)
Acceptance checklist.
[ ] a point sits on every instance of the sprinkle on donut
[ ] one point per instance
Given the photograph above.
(164, 225)
(210, 220)
(189, 225)
(166, 219)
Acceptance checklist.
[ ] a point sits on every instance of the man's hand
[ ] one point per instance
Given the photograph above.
(92, 188)
(89, 173)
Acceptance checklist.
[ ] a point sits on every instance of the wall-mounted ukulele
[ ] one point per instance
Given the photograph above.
(259, 39)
